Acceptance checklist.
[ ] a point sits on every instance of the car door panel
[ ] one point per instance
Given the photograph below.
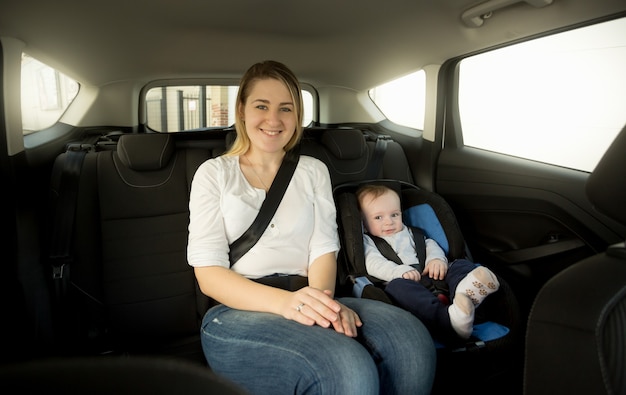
(527, 220)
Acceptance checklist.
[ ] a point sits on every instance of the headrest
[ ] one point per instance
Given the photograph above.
(345, 143)
(230, 139)
(145, 152)
(606, 186)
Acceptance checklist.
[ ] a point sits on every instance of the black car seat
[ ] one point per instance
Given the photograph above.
(113, 375)
(131, 290)
(576, 334)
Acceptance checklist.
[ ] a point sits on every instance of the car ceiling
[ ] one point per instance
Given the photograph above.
(353, 44)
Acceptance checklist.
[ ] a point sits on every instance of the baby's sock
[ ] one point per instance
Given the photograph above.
(478, 283)
(461, 313)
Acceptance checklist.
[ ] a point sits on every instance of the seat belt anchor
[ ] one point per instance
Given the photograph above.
(57, 271)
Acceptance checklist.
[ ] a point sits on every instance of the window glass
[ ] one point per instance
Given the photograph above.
(559, 99)
(46, 94)
(198, 107)
(402, 100)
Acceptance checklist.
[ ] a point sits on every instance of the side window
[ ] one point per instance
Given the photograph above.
(402, 100)
(46, 94)
(198, 107)
(558, 99)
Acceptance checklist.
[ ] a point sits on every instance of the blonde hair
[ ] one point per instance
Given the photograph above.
(268, 69)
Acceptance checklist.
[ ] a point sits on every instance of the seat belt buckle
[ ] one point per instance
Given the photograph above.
(57, 271)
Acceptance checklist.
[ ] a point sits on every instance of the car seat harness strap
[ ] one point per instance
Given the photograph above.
(420, 248)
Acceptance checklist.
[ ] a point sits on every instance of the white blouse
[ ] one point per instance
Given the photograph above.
(223, 205)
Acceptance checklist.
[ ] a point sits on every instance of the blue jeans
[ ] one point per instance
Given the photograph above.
(268, 354)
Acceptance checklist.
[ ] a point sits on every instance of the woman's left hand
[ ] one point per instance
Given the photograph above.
(319, 307)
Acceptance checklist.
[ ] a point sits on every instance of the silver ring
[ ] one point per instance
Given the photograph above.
(299, 307)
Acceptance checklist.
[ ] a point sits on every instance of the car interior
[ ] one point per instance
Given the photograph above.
(108, 109)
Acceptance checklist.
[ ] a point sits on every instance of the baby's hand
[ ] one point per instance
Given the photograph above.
(412, 275)
(436, 269)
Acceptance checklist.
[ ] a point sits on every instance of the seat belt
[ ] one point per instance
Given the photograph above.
(377, 157)
(388, 252)
(274, 196)
(61, 243)
(65, 213)
(438, 287)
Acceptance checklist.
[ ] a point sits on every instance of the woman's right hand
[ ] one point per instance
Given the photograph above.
(311, 306)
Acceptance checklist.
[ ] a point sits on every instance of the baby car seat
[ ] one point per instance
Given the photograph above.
(497, 321)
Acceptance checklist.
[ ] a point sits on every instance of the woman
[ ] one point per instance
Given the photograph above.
(271, 340)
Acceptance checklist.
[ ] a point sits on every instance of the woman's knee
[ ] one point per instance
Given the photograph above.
(391, 326)
(316, 358)
(352, 369)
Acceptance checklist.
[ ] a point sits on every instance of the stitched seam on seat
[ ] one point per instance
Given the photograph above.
(169, 176)
(125, 151)
(161, 159)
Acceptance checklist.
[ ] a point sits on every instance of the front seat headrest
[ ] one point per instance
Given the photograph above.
(606, 186)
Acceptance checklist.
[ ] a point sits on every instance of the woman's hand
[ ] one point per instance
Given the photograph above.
(348, 322)
(310, 306)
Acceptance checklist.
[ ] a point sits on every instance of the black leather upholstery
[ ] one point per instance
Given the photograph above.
(112, 375)
(132, 291)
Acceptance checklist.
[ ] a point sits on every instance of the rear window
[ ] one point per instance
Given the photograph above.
(199, 107)
(402, 101)
(558, 99)
(46, 94)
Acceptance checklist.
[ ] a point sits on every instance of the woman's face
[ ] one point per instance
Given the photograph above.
(269, 115)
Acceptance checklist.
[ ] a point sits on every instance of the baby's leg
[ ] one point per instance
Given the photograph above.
(420, 301)
(470, 292)
(461, 313)
(478, 284)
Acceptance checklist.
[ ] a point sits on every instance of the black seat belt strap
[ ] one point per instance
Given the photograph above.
(376, 161)
(66, 210)
(274, 196)
(420, 246)
(388, 252)
(65, 213)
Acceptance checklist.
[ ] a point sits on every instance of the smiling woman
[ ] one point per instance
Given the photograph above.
(499, 108)
(310, 338)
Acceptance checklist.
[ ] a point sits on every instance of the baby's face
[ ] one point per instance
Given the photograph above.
(382, 216)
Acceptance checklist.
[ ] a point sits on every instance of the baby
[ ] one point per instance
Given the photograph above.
(469, 284)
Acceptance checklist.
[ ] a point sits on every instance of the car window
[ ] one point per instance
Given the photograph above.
(46, 94)
(402, 100)
(197, 107)
(558, 99)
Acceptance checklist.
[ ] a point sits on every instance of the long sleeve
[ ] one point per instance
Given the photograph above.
(434, 251)
(404, 245)
(378, 266)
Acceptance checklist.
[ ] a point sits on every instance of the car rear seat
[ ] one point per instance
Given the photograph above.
(352, 155)
(132, 291)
